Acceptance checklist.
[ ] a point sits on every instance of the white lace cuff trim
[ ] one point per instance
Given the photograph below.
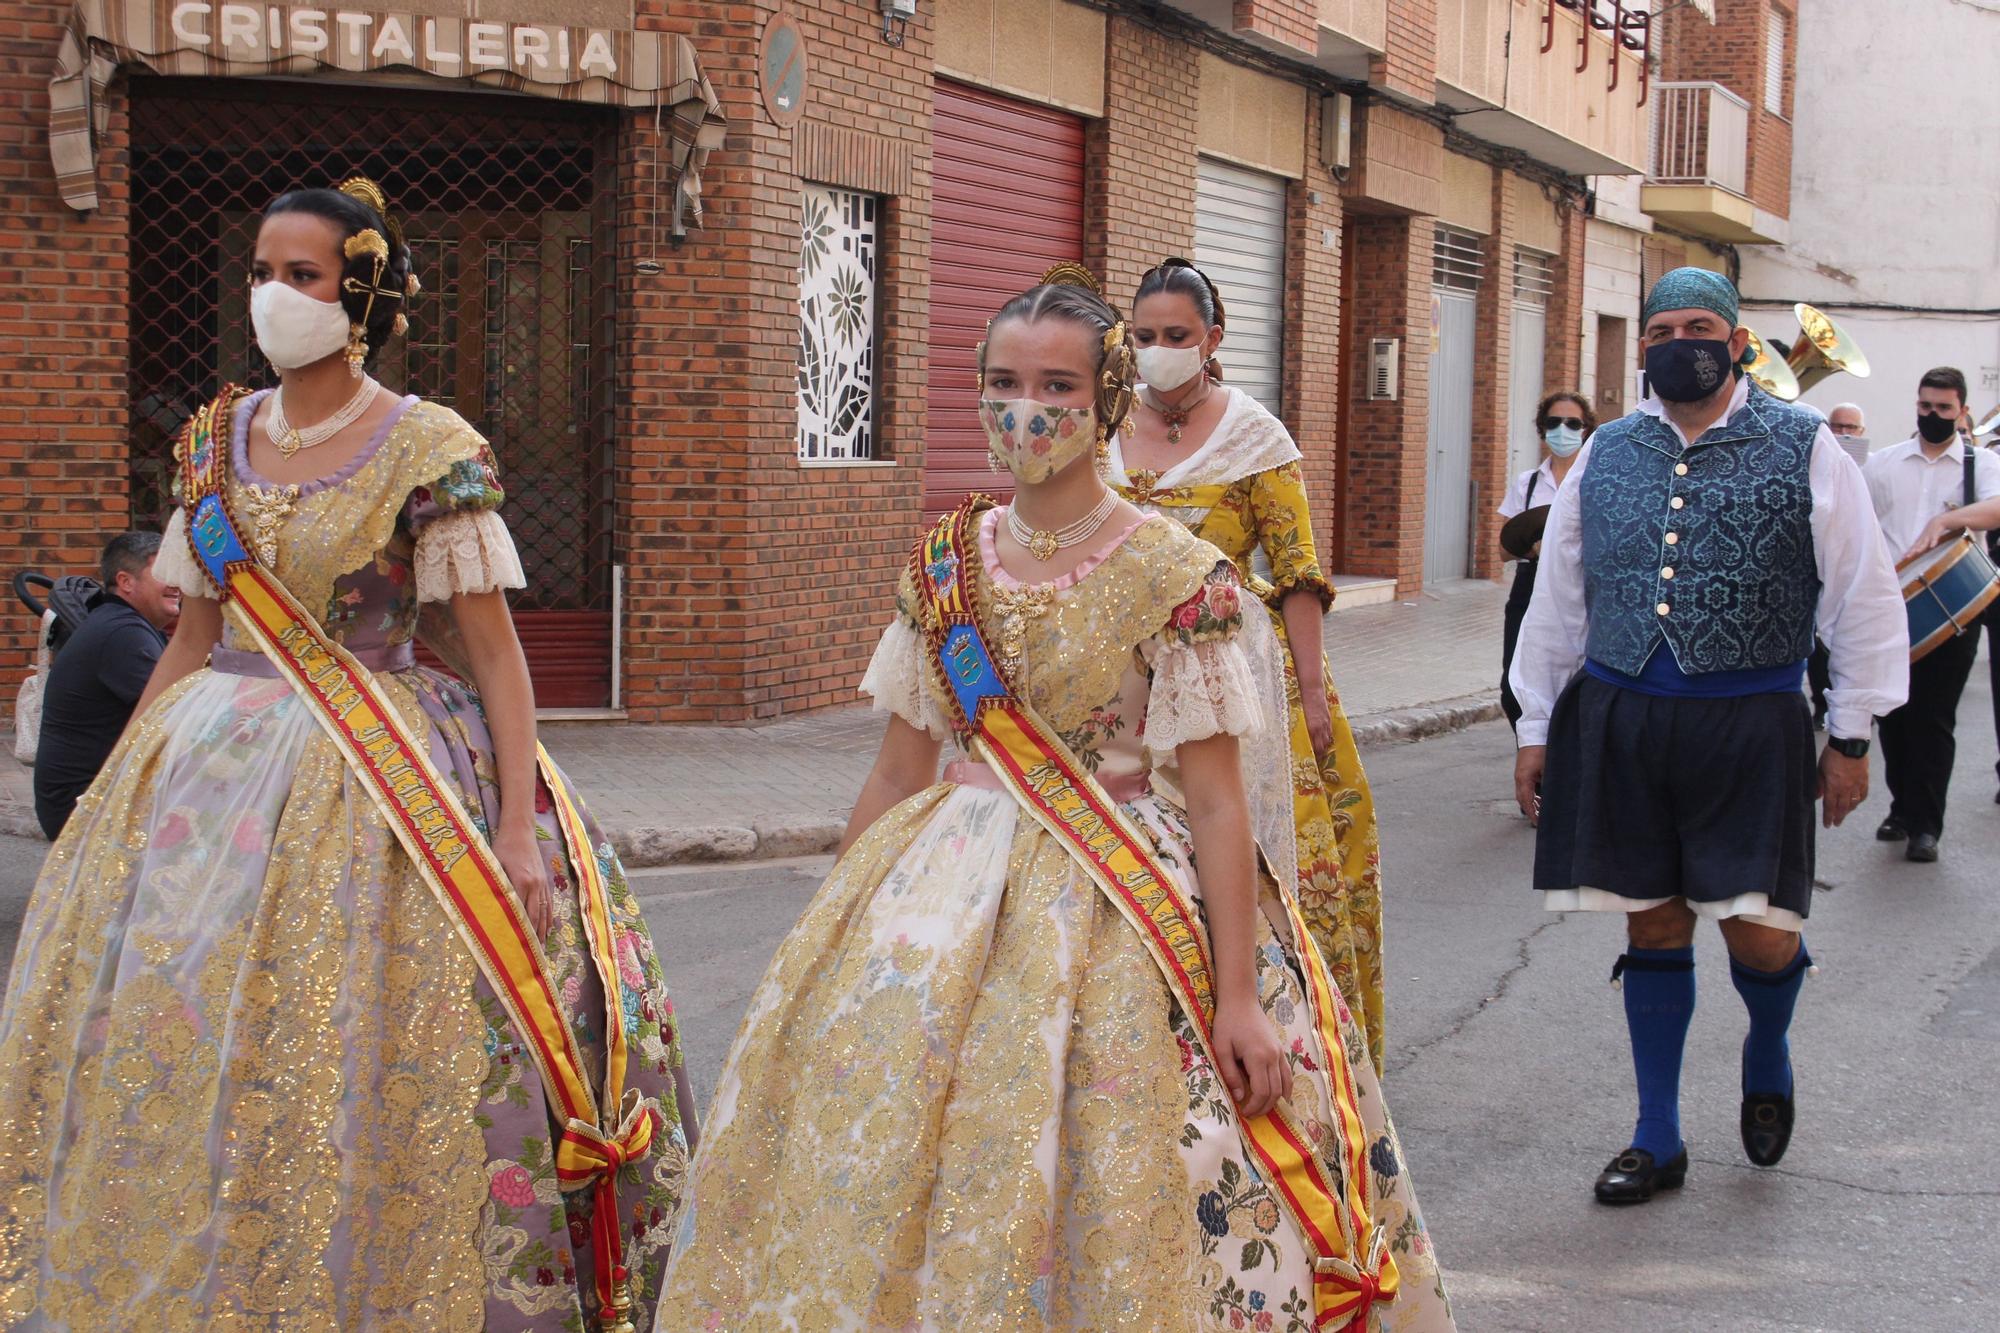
(175, 565)
(465, 552)
(1200, 690)
(895, 681)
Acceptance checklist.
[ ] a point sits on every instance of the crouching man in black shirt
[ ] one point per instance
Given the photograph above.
(100, 674)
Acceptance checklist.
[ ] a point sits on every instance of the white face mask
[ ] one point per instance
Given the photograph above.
(1563, 440)
(1167, 368)
(293, 329)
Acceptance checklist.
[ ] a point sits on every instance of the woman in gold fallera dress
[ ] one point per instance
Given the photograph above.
(250, 1078)
(1213, 458)
(969, 1092)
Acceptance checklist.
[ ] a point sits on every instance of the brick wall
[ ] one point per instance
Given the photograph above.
(1408, 64)
(1492, 380)
(1562, 358)
(1139, 176)
(1386, 274)
(63, 297)
(1312, 345)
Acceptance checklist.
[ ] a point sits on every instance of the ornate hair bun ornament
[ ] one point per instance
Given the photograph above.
(367, 241)
(1069, 273)
(369, 193)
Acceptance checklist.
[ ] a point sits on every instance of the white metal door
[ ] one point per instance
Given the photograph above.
(1524, 393)
(1239, 241)
(1448, 482)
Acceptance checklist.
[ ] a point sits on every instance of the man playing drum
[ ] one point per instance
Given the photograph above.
(1914, 485)
(1666, 743)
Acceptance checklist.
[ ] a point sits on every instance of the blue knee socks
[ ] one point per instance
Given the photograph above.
(1770, 998)
(1659, 1003)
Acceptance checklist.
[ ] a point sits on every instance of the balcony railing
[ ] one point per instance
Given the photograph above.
(1701, 136)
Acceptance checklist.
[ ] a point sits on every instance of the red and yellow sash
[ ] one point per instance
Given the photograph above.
(1352, 1267)
(450, 854)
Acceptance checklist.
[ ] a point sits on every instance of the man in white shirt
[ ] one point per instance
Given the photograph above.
(1665, 744)
(1915, 484)
(1850, 428)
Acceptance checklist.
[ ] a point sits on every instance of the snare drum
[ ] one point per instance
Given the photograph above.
(1945, 590)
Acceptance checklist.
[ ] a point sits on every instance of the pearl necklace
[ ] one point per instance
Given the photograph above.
(290, 439)
(1043, 543)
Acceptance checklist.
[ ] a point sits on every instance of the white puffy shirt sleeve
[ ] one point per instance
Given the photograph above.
(1550, 648)
(1861, 615)
(176, 566)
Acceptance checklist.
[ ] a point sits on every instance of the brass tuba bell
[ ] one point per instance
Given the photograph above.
(1823, 349)
(1988, 427)
(1768, 373)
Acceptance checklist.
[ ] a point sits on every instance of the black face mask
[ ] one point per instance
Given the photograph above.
(1934, 428)
(1687, 370)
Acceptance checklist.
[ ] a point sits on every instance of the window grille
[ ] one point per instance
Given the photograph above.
(837, 274)
(1534, 276)
(1457, 259)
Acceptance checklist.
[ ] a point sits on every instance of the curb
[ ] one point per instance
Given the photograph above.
(651, 847)
(1434, 719)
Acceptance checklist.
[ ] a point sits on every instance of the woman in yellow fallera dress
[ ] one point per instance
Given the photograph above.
(975, 1089)
(250, 1076)
(1212, 457)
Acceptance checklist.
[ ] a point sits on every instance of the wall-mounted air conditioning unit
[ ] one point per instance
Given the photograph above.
(1385, 360)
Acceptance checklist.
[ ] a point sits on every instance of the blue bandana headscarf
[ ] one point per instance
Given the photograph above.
(1692, 289)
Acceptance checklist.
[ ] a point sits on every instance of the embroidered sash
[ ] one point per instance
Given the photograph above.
(451, 856)
(1352, 1269)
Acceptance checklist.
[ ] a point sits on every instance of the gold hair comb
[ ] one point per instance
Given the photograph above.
(1069, 273)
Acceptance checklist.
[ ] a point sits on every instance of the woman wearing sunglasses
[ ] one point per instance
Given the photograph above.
(1564, 421)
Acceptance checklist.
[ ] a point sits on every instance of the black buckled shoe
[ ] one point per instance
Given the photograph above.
(1923, 847)
(1633, 1177)
(1767, 1127)
(1891, 829)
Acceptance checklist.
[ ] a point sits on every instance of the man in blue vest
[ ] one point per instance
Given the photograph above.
(1666, 746)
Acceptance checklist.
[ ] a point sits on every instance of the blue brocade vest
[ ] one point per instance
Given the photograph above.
(1709, 547)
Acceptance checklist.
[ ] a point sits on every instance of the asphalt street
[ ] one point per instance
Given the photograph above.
(1509, 1077)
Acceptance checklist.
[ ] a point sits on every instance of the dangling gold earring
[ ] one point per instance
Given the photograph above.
(1103, 452)
(357, 350)
(993, 461)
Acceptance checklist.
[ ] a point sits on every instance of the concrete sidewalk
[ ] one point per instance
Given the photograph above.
(671, 795)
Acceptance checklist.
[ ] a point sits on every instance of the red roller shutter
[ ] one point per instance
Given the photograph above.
(1007, 204)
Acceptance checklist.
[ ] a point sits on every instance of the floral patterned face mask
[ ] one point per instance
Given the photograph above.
(1035, 441)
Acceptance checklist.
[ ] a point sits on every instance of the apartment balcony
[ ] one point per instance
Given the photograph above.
(1698, 176)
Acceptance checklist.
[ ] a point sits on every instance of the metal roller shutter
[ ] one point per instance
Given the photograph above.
(1239, 241)
(992, 155)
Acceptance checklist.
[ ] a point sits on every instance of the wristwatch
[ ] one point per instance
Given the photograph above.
(1853, 749)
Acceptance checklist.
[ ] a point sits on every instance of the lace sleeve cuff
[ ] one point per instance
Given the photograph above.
(895, 681)
(1200, 690)
(175, 564)
(466, 551)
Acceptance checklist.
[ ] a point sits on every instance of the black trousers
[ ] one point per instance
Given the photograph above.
(1510, 634)
(1918, 740)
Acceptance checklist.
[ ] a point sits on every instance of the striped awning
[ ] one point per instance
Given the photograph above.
(212, 39)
